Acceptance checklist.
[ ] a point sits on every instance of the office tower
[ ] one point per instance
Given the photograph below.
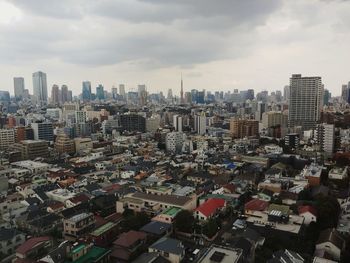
(326, 97)
(177, 123)
(133, 122)
(241, 128)
(31, 149)
(80, 116)
(194, 95)
(250, 94)
(114, 93)
(86, 92)
(345, 92)
(324, 136)
(261, 108)
(200, 97)
(70, 96)
(43, 131)
(305, 102)
(174, 142)
(18, 83)
(278, 95)
(55, 94)
(40, 87)
(64, 144)
(262, 96)
(100, 94)
(4, 96)
(64, 93)
(7, 138)
(200, 124)
(170, 95)
(152, 123)
(142, 94)
(182, 91)
(286, 93)
(122, 91)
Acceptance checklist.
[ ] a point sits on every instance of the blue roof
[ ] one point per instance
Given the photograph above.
(156, 227)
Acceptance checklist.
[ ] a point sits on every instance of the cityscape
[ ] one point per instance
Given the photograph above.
(191, 172)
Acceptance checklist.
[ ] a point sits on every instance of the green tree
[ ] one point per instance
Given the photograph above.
(210, 228)
(184, 221)
(328, 210)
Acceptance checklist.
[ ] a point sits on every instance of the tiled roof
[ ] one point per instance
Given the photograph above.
(30, 243)
(209, 207)
(307, 208)
(129, 238)
(256, 205)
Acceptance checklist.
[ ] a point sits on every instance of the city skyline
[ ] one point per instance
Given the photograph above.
(226, 47)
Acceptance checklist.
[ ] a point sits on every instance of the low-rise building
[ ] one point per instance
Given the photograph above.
(77, 226)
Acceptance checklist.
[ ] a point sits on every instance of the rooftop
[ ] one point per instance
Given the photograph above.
(221, 254)
(102, 229)
(171, 211)
(79, 217)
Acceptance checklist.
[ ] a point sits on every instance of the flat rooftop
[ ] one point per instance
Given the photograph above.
(221, 254)
(174, 200)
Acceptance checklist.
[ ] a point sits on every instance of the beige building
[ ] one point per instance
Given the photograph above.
(82, 144)
(152, 203)
(77, 226)
(31, 149)
(7, 137)
(64, 144)
(241, 128)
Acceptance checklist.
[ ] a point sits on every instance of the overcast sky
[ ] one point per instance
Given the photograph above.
(215, 44)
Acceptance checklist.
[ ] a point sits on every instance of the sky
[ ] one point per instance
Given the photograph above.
(214, 44)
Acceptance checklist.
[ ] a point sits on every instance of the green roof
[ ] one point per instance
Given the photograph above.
(172, 211)
(78, 248)
(283, 208)
(102, 229)
(160, 188)
(93, 255)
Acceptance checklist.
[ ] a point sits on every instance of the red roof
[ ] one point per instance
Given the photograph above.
(230, 187)
(210, 206)
(256, 205)
(307, 208)
(30, 244)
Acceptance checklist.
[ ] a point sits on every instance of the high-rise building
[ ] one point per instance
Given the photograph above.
(114, 93)
(43, 131)
(286, 93)
(64, 93)
(133, 122)
(200, 123)
(177, 123)
(55, 94)
(292, 140)
(182, 91)
(152, 123)
(70, 96)
(100, 94)
(18, 83)
(241, 128)
(5, 96)
(122, 91)
(40, 87)
(170, 95)
(345, 92)
(324, 136)
(86, 93)
(326, 97)
(80, 116)
(306, 101)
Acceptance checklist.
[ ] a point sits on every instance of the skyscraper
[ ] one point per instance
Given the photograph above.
(55, 94)
(100, 94)
(345, 92)
(18, 83)
(305, 102)
(64, 93)
(40, 87)
(182, 91)
(86, 92)
(122, 90)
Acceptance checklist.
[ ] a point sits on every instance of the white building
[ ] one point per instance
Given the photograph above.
(177, 123)
(174, 141)
(305, 102)
(200, 124)
(324, 136)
